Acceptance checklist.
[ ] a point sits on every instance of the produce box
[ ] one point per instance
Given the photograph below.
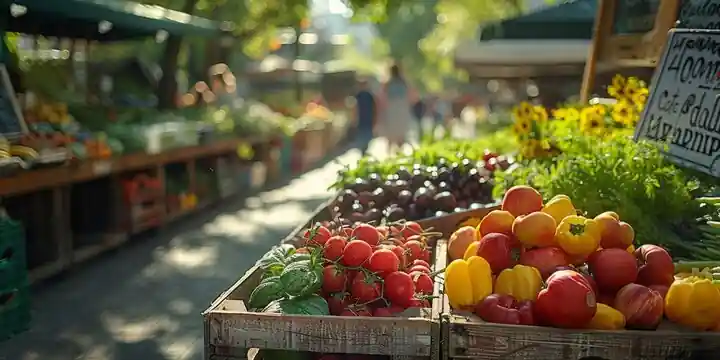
(231, 331)
(466, 335)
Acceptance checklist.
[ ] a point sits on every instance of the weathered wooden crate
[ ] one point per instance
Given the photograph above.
(466, 336)
(232, 332)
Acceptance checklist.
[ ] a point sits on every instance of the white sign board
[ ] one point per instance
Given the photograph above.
(683, 109)
(699, 14)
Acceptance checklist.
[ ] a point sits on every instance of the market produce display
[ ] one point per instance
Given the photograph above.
(425, 184)
(361, 270)
(527, 257)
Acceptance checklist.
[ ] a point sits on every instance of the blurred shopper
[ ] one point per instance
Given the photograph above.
(397, 118)
(366, 108)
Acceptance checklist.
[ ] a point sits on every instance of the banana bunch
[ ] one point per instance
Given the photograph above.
(24, 152)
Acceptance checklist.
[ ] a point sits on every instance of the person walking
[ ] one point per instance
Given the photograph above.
(397, 118)
(366, 115)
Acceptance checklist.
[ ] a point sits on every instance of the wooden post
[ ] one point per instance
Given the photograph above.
(601, 30)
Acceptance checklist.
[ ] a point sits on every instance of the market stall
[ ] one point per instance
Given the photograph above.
(87, 163)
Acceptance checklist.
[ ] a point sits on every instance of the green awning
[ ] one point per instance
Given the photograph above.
(80, 19)
(568, 20)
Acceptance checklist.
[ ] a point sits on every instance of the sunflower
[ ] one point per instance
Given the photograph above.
(624, 113)
(572, 114)
(640, 98)
(522, 126)
(539, 114)
(617, 87)
(591, 121)
(559, 113)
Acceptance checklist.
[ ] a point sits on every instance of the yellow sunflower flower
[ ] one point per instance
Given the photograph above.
(522, 126)
(591, 121)
(640, 98)
(559, 113)
(572, 115)
(624, 113)
(540, 114)
(617, 87)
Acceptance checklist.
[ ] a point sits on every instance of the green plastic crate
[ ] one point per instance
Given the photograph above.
(15, 311)
(13, 260)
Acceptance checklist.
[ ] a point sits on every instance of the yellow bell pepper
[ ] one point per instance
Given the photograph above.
(559, 207)
(467, 282)
(607, 318)
(471, 250)
(693, 302)
(578, 235)
(521, 282)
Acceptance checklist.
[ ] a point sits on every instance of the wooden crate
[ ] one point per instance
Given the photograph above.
(466, 336)
(232, 332)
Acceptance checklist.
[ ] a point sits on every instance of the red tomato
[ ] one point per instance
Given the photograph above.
(317, 236)
(347, 231)
(334, 279)
(425, 255)
(334, 247)
(411, 228)
(414, 249)
(356, 253)
(355, 310)
(399, 287)
(419, 268)
(364, 288)
(383, 261)
(401, 255)
(423, 282)
(383, 230)
(337, 302)
(577, 297)
(421, 262)
(382, 312)
(366, 233)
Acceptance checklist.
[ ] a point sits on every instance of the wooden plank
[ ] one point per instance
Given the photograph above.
(593, 54)
(33, 180)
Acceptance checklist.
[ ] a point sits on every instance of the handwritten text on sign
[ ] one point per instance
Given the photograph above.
(684, 106)
(699, 14)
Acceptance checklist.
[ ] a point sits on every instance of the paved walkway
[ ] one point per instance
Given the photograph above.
(143, 301)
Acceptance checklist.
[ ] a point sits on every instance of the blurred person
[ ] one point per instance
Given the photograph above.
(366, 112)
(397, 118)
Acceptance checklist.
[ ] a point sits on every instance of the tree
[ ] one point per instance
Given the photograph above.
(255, 23)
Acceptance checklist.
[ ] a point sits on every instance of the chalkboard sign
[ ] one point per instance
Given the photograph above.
(683, 109)
(12, 123)
(699, 14)
(634, 16)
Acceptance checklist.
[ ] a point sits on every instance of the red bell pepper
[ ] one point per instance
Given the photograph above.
(504, 309)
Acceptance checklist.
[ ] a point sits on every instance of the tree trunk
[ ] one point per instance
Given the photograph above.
(167, 88)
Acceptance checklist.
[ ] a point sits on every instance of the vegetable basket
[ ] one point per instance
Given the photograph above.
(231, 331)
(466, 336)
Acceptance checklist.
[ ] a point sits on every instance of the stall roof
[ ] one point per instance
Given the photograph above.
(568, 20)
(81, 18)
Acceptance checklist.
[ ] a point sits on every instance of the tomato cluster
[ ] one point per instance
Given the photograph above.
(373, 270)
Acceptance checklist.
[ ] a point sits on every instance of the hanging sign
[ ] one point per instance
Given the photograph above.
(699, 14)
(683, 109)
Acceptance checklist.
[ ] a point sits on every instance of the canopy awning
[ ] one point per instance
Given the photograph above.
(523, 52)
(82, 18)
(569, 20)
